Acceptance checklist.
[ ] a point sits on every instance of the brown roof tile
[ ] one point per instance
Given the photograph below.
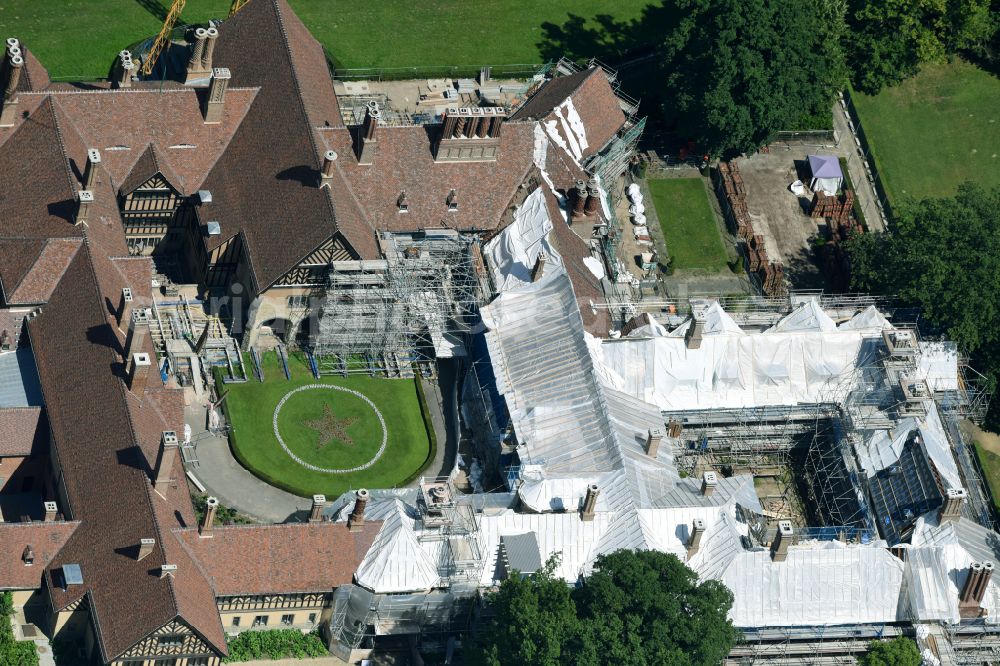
(149, 164)
(24, 431)
(45, 540)
(17, 256)
(593, 98)
(38, 284)
(295, 557)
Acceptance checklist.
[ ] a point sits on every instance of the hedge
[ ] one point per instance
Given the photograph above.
(275, 644)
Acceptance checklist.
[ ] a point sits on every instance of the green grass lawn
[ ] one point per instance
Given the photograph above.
(250, 407)
(990, 463)
(935, 130)
(80, 38)
(688, 223)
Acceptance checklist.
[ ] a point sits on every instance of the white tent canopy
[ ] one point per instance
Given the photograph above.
(826, 173)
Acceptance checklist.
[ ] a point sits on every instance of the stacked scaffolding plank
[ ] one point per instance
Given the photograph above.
(770, 275)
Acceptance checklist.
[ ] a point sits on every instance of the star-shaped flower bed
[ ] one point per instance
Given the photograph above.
(331, 429)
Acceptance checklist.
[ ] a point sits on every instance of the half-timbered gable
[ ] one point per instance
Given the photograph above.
(150, 199)
(314, 269)
(173, 644)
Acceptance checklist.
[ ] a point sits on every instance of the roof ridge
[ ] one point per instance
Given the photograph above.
(295, 78)
(73, 185)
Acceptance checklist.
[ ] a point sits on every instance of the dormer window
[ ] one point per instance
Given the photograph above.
(452, 202)
(28, 556)
(401, 203)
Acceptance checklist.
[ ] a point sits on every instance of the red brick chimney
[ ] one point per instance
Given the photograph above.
(211, 35)
(90, 172)
(356, 520)
(168, 455)
(580, 198)
(369, 132)
(139, 374)
(697, 532)
(137, 329)
(593, 202)
(51, 509)
(145, 548)
(316, 513)
(208, 522)
(84, 200)
(329, 167)
(970, 601)
(954, 498)
(194, 69)
(216, 102)
(782, 540)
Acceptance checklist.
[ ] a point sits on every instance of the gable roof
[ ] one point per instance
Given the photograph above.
(289, 558)
(150, 164)
(38, 283)
(45, 540)
(23, 431)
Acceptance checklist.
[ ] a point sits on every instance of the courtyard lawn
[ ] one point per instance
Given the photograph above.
(990, 464)
(935, 130)
(327, 428)
(688, 223)
(80, 38)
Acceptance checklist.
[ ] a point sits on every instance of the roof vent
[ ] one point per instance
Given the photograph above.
(168, 570)
(204, 197)
(213, 228)
(452, 201)
(28, 556)
(401, 203)
(127, 294)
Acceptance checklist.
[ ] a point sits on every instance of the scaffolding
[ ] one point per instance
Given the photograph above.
(416, 305)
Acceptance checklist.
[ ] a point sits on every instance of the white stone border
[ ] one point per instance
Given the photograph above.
(381, 420)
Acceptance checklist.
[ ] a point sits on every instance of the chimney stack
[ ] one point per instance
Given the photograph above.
(709, 480)
(970, 600)
(211, 35)
(84, 199)
(139, 374)
(693, 337)
(497, 121)
(590, 502)
(90, 173)
(697, 531)
(168, 570)
(357, 518)
(137, 328)
(470, 134)
(593, 201)
(145, 548)
(539, 268)
(15, 62)
(782, 540)
(194, 68)
(954, 498)
(450, 120)
(51, 509)
(329, 159)
(580, 199)
(125, 307)
(674, 428)
(125, 68)
(653, 438)
(369, 138)
(316, 513)
(216, 102)
(205, 529)
(168, 454)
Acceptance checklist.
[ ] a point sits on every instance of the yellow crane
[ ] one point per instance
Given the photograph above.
(236, 6)
(163, 38)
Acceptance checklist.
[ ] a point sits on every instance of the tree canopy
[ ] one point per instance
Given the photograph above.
(888, 39)
(638, 607)
(900, 651)
(738, 71)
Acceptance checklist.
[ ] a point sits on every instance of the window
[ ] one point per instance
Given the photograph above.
(134, 662)
(197, 661)
(288, 620)
(312, 618)
(236, 621)
(295, 302)
(171, 640)
(260, 621)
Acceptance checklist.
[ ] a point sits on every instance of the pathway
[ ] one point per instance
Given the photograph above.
(442, 404)
(863, 188)
(235, 487)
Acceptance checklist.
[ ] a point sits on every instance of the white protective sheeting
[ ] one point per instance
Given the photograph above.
(868, 320)
(938, 446)
(595, 266)
(938, 365)
(513, 252)
(397, 561)
(882, 448)
(819, 584)
(807, 317)
(928, 591)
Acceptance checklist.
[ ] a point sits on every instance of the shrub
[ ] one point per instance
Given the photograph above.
(900, 651)
(12, 652)
(275, 644)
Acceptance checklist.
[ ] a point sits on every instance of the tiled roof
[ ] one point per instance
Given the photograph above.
(593, 98)
(76, 349)
(23, 430)
(17, 256)
(281, 211)
(149, 164)
(45, 540)
(404, 161)
(295, 557)
(37, 285)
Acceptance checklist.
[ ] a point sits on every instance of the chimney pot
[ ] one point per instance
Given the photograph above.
(13, 42)
(90, 172)
(539, 268)
(206, 57)
(356, 520)
(709, 480)
(329, 158)
(316, 514)
(137, 378)
(593, 202)
(125, 68)
(51, 509)
(590, 503)
(145, 548)
(369, 133)
(208, 522)
(580, 198)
